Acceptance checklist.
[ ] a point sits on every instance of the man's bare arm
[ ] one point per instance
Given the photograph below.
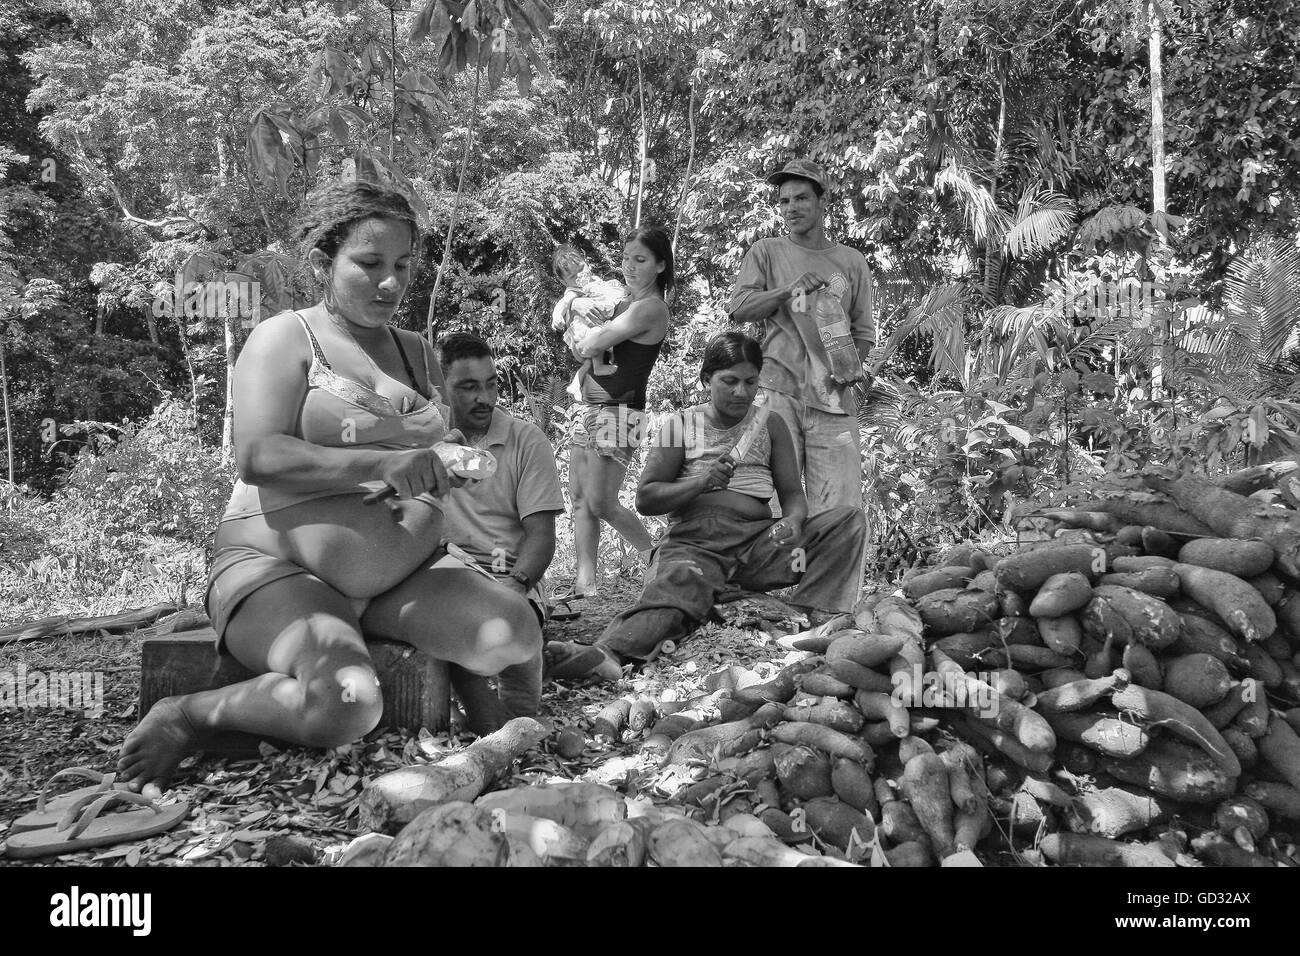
(538, 546)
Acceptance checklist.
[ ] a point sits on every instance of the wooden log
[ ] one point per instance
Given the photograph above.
(1151, 510)
(415, 687)
(1247, 481)
(64, 626)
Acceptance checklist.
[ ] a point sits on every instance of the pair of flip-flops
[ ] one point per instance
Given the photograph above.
(72, 821)
(562, 601)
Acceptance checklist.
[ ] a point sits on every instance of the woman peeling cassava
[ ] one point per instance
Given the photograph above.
(332, 403)
(721, 528)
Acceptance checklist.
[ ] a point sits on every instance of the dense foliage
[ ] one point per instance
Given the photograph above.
(992, 159)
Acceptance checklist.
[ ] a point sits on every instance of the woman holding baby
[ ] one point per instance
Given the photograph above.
(612, 388)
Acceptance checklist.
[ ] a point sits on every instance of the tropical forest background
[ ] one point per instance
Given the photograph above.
(1081, 216)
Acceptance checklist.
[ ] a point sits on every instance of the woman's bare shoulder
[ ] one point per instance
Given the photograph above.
(280, 335)
(650, 314)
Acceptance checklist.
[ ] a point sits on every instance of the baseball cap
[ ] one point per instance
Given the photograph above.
(800, 169)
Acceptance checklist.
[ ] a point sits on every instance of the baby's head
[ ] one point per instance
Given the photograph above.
(569, 265)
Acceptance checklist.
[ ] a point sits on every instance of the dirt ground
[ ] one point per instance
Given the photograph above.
(299, 806)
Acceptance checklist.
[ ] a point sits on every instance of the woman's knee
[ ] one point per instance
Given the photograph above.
(340, 705)
(598, 504)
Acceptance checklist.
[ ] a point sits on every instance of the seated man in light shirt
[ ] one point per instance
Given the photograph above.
(506, 522)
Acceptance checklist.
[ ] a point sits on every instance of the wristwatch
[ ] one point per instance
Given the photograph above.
(522, 578)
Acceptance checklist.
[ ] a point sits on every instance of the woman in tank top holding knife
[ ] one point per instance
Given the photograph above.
(610, 423)
(329, 408)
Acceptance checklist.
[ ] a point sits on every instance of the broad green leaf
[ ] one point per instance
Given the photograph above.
(1019, 434)
(267, 154)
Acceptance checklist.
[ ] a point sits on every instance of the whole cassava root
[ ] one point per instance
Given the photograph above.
(1236, 603)
(877, 706)
(1029, 728)
(1130, 616)
(852, 783)
(869, 650)
(1027, 571)
(1182, 720)
(1196, 679)
(1174, 770)
(1114, 811)
(925, 785)
(1279, 798)
(805, 773)
(839, 824)
(964, 648)
(937, 580)
(1158, 582)
(953, 610)
(997, 742)
(1061, 634)
(781, 687)
(1245, 559)
(1280, 747)
(1086, 849)
(825, 684)
(892, 616)
(825, 739)
(396, 798)
(1143, 666)
(725, 740)
(1234, 516)
(1103, 732)
(859, 677)
(1151, 511)
(1061, 594)
(835, 714)
(1205, 637)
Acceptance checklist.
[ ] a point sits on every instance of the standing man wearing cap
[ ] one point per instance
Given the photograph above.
(813, 297)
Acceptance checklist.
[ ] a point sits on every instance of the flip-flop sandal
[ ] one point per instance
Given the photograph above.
(50, 811)
(554, 612)
(82, 827)
(566, 593)
(568, 660)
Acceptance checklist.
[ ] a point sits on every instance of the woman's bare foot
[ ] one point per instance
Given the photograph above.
(164, 738)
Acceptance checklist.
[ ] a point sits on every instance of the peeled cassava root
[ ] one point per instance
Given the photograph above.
(396, 798)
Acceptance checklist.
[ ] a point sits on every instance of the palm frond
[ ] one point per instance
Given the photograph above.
(1008, 333)
(1043, 218)
(983, 218)
(938, 310)
(1263, 286)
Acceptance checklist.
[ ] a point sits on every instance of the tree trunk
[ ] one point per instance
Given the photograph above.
(9, 429)
(690, 163)
(455, 205)
(640, 187)
(189, 366)
(228, 418)
(1161, 372)
(1157, 123)
(150, 323)
(992, 247)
